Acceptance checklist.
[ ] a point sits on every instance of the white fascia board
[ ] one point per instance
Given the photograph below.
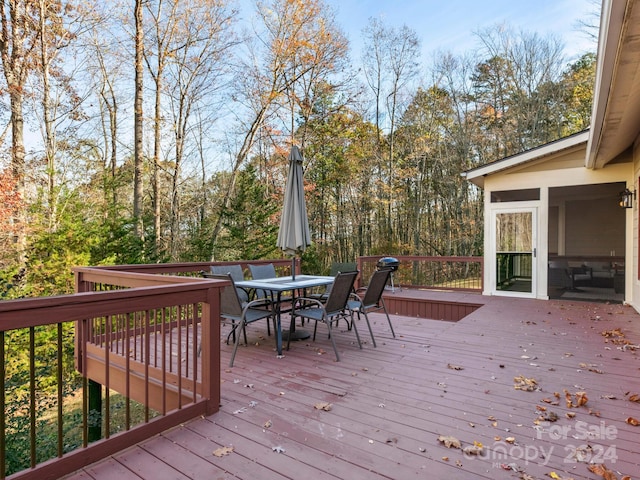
(611, 23)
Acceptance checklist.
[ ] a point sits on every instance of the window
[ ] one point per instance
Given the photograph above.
(515, 195)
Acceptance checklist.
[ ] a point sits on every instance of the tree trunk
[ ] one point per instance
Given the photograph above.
(138, 159)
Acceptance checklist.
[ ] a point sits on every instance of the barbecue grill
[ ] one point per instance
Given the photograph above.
(389, 263)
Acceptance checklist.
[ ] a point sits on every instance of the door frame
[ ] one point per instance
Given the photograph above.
(503, 208)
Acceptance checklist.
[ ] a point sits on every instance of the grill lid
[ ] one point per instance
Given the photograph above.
(388, 262)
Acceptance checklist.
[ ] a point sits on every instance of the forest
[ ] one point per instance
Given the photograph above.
(158, 131)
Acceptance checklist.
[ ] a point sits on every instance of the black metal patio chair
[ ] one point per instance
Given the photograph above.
(372, 299)
(232, 308)
(336, 267)
(237, 273)
(330, 311)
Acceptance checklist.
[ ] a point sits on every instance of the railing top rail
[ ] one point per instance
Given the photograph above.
(184, 267)
(130, 279)
(29, 312)
(422, 258)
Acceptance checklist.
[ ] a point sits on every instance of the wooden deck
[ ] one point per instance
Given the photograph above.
(390, 405)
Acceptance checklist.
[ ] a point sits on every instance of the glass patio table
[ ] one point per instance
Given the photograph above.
(278, 285)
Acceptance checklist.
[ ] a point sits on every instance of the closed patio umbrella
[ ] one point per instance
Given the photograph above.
(294, 236)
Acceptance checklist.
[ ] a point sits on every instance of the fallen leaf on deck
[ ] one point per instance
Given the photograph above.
(581, 399)
(278, 449)
(253, 403)
(634, 398)
(323, 406)
(632, 421)
(604, 472)
(454, 367)
(583, 453)
(222, 451)
(475, 449)
(554, 475)
(612, 333)
(510, 440)
(449, 441)
(549, 416)
(240, 410)
(267, 424)
(525, 384)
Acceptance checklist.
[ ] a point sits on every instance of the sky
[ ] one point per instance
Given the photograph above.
(449, 25)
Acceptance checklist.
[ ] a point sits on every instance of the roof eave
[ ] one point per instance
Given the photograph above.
(611, 26)
(477, 175)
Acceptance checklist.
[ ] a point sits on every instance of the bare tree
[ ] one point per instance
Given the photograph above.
(138, 153)
(18, 42)
(285, 54)
(60, 25)
(196, 73)
(390, 63)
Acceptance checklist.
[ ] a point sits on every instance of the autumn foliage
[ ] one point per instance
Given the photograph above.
(10, 203)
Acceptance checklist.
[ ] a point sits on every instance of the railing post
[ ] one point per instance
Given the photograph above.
(211, 350)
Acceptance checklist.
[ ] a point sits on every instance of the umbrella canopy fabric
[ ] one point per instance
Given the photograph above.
(294, 236)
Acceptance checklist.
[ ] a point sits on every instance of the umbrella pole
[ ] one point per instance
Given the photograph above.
(293, 267)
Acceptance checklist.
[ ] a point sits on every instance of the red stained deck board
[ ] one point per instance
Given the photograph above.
(240, 460)
(148, 466)
(189, 463)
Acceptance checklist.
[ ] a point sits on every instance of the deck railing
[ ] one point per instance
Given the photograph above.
(436, 273)
(118, 347)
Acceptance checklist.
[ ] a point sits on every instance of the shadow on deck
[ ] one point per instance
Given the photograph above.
(467, 379)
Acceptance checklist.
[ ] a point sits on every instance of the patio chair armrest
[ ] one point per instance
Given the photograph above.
(306, 302)
(259, 302)
(355, 296)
